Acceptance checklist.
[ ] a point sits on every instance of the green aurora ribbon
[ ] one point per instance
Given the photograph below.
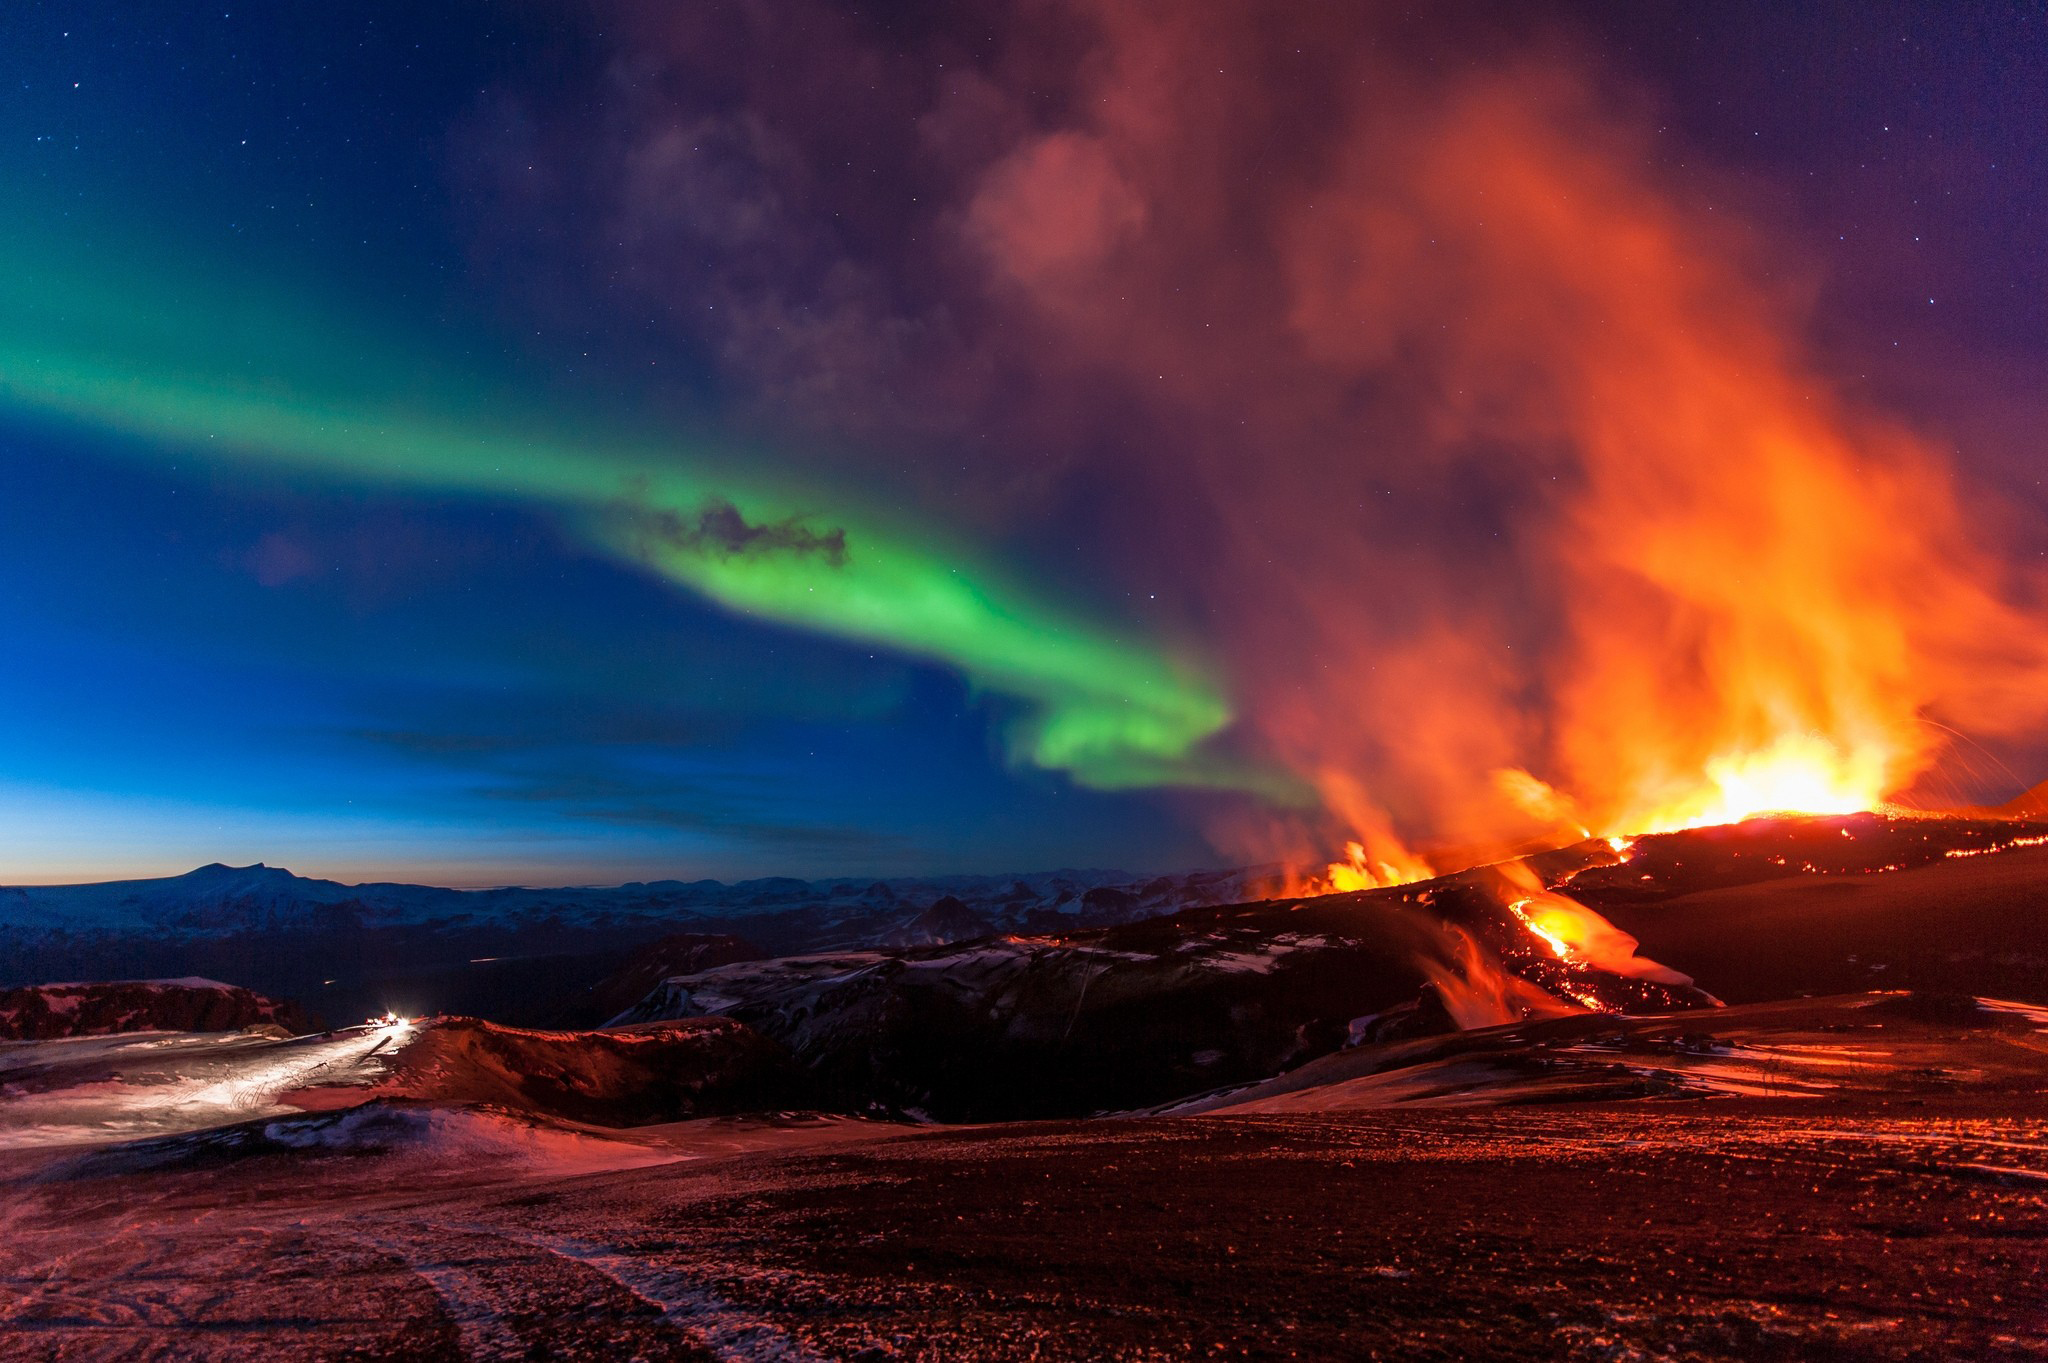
(234, 372)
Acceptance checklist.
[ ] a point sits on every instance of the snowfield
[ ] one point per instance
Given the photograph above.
(97, 1090)
(1702, 1231)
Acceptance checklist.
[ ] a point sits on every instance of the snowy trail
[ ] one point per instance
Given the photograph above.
(732, 1335)
(479, 1320)
(508, 1293)
(253, 1086)
(156, 1085)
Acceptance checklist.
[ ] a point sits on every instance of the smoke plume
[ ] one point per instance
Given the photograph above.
(1480, 454)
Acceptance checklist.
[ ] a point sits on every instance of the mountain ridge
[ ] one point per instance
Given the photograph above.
(164, 903)
(525, 955)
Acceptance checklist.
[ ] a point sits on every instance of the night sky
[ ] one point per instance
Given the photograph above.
(565, 443)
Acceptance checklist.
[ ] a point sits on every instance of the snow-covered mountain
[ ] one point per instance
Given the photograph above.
(217, 899)
(515, 952)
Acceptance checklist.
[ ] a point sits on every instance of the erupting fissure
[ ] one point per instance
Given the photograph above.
(1477, 988)
(1797, 775)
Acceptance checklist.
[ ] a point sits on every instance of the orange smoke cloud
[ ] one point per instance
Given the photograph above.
(1734, 592)
(1397, 368)
(1764, 596)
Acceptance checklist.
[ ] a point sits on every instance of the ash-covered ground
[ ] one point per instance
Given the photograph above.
(1264, 1134)
(1743, 1230)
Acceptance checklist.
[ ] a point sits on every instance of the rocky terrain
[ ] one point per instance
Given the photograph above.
(44, 1012)
(620, 1077)
(1744, 1229)
(1012, 1027)
(1464, 1118)
(679, 953)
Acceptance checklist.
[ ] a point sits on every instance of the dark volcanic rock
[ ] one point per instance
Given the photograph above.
(942, 924)
(1107, 904)
(1874, 1046)
(630, 1076)
(680, 953)
(1778, 908)
(1132, 1015)
(47, 1011)
(1066, 1022)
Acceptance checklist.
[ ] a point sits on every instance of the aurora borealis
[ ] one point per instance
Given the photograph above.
(522, 443)
(122, 327)
(1113, 714)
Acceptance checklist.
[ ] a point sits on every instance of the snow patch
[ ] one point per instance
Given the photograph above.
(461, 1136)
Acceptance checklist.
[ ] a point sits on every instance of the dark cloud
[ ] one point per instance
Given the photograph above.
(625, 796)
(629, 768)
(719, 528)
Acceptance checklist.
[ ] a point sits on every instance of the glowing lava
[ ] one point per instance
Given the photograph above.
(1362, 870)
(1798, 774)
(1578, 936)
(1374, 857)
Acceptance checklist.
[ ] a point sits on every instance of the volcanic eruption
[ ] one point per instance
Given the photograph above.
(670, 517)
(1759, 596)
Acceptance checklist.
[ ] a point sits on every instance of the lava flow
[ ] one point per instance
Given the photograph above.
(1799, 775)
